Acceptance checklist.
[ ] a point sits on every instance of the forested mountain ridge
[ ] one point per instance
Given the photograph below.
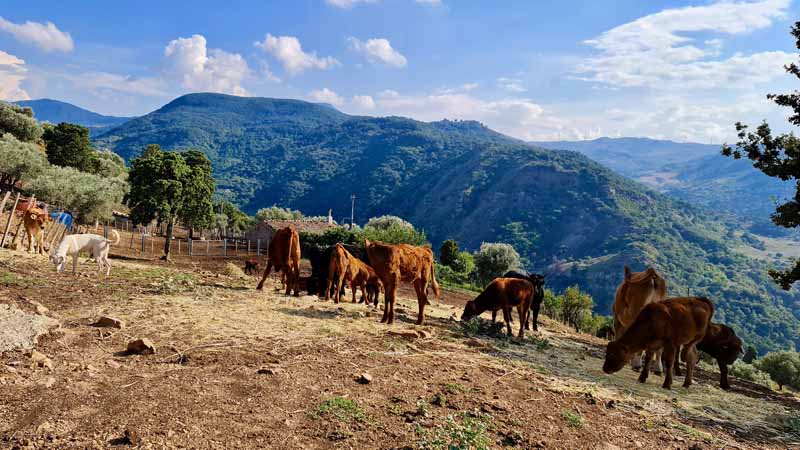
(55, 112)
(565, 213)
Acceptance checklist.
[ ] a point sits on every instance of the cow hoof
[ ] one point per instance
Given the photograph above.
(666, 386)
(659, 373)
(259, 287)
(725, 387)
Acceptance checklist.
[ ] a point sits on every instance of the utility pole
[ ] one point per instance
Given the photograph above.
(352, 210)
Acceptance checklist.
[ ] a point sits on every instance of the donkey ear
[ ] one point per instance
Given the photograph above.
(627, 273)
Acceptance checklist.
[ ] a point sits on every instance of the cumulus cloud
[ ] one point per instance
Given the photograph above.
(200, 69)
(12, 73)
(326, 95)
(511, 84)
(289, 52)
(363, 102)
(46, 36)
(101, 83)
(655, 50)
(346, 4)
(378, 50)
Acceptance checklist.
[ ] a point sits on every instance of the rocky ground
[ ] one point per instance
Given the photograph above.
(237, 368)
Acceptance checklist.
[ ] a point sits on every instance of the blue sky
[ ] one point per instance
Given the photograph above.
(538, 70)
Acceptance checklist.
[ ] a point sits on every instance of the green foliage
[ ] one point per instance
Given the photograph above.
(749, 372)
(388, 222)
(277, 213)
(339, 408)
(19, 160)
(782, 367)
(235, 219)
(90, 197)
(19, 122)
(576, 309)
(603, 325)
(197, 210)
(393, 230)
(448, 252)
(495, 259)
(468, 433)
(573, 419)
(750, 354)
(68, 145)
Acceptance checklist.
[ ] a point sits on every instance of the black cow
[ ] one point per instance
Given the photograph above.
(538, 295)
(320, 257)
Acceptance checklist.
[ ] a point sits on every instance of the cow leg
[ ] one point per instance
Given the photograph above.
(535, 315)
(388, 298)
(648, 357)
(689, 356)
(364, 296)
(264, 277)
(636, 362)
(339, 286)
(507, 319)
(723, 375)
(669, 357)
(75, 263)
(421, 286)
(494, 316)
(296, 278)
(676, 368)
(659, 369)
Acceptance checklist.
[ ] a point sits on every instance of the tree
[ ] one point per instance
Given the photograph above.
(237, 221)
(750, 355)
(157, 181)
(448, 252)
(19, 121)
(393, 230)
(197, 210)
(782, 367)
(19, 161)
(68, 145)
(388, 222)
(777, 156)
(576, 308)
(278, 213)
(494, 259)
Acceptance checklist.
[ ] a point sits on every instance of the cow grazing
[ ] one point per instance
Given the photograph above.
(35, 220)
(503, 294)
(722, 344)
(251, 266)
(403, 262)
(538, 296)
(344, 267)
(284, 256)
(320, 257)
(637, 290)
(667, 325)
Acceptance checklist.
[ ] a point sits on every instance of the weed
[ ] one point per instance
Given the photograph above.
(453, 388)
(422, 408)
(478, 326)
(573, 419)
(469, 433)
(181, 282)
(8, 279)
(541, 344)
(439, 399)
(339, 408)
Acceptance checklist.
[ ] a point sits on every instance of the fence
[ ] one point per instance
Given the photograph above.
(11, 221)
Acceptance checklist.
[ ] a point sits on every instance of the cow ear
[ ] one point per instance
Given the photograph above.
(627, 273)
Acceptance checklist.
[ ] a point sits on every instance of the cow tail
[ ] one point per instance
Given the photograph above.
(436, 290)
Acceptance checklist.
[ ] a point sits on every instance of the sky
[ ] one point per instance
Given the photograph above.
(535, 70)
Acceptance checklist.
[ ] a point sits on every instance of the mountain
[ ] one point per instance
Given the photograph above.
(697, 173)
(55, 111)
(565, 213)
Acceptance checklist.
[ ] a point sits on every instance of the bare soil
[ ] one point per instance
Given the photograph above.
(239, 368)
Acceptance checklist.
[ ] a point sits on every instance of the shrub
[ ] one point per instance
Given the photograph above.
(576, 308)
(387, 222)
(749, 372)
(750, 354)
(467, 434)
(393, 230)
(494, 259)
(782, 367)
(234, 271)
(448, 252)
(552, 305)
(277, 213)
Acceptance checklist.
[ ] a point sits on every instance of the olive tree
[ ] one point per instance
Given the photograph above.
(493, 259)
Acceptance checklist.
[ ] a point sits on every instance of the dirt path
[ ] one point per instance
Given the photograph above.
(237, 368)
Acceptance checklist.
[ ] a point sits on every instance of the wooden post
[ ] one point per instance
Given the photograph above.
(207, 246)
(53, 230)
(144, 239)
(179, 246)
(248, 246)
(224, 247)
(3, 203)
(258, 247)
(189, 243)
(8, 222)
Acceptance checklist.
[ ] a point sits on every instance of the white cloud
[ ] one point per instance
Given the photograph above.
(378, 50)
(326, 95)
(511, 84)
(430, 2)
(655, 51)
(345, 4)
(12, 73)
(267, 73)
(46, 36)
(363, 102)
(200, 69)
(289, 52)
(99, 83)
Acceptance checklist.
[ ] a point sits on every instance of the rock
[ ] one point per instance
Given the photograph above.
(364, 378)
(40, 360)
(44, 427)
(132, 437)
(141, 347)
(113, 364)
(49, 382)
(270, 371)
(474, 342)
(410, 335)
(40, 308)
(20, 329)
(109, 322)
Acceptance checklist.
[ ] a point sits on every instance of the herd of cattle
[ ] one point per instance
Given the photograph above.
(649, 329)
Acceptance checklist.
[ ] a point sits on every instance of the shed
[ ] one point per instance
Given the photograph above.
(265, 229)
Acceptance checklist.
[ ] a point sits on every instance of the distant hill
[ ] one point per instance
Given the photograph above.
(697, 173)
(564, 212)
(55, 112)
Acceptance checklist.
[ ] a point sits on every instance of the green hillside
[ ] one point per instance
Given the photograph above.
(55, 112)
(462, 180)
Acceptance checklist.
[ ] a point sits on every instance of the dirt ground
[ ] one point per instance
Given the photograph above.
(239, 368)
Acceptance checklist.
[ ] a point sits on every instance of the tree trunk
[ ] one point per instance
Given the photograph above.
(191, 232)
(168, 240)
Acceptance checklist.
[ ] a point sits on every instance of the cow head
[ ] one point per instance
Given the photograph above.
(470, 311)
(730, 350)
(617, 355)
(59, 261)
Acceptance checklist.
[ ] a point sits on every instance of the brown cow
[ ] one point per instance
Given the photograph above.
(284, 255)
(637, 290)
(503, 293)
(35, 220)
(667, 325)
(344, 267)
(251, 266)
(403, 262)
(722, 344)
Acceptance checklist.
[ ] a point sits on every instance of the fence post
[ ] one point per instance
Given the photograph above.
(248, 246)
(8, 222)
(224, 247)
(189, 244)
(236, 246)
(144, 238)
(258, 247)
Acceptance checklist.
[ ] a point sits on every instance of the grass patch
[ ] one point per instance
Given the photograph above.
(8, 279)
(456, 433)
(573, 419)
(478, 326)
(180, 282)
(453, 388)
(339, 408)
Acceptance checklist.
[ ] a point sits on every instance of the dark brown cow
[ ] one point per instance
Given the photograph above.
(284, 255)
(403, 262)
(722, 344)
(538, 296)
(666, 325)
(503, 294)
(251, 266)
(344, 267)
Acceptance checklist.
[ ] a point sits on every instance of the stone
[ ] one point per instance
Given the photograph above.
(410, 335)
(109, 322)
(141, 347)
(49, 382)
(364, 378)
(133, 437)
(425, 334)
(40, 308)
(474, 342)
(40, 360)
(113, 364)
(270, 371)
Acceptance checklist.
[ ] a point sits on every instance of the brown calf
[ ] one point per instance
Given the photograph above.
(35, 220)
(722, 344)
(284, 255)
(403, 262)
(503, 293)
(666, 325)
(251, 266)
(637, 290)
(344, 267)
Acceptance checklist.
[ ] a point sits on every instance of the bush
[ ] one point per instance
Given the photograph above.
(782, 367)
(576, 309)
(234, 271)
(393, 230)
(603, 326)
(495, 259)
(387, 222)
(749, 372)
(277, 213)
(551, 305)
(750, 354)
(448, 252)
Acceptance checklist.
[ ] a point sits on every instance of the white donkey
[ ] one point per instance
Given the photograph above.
(73, 244)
